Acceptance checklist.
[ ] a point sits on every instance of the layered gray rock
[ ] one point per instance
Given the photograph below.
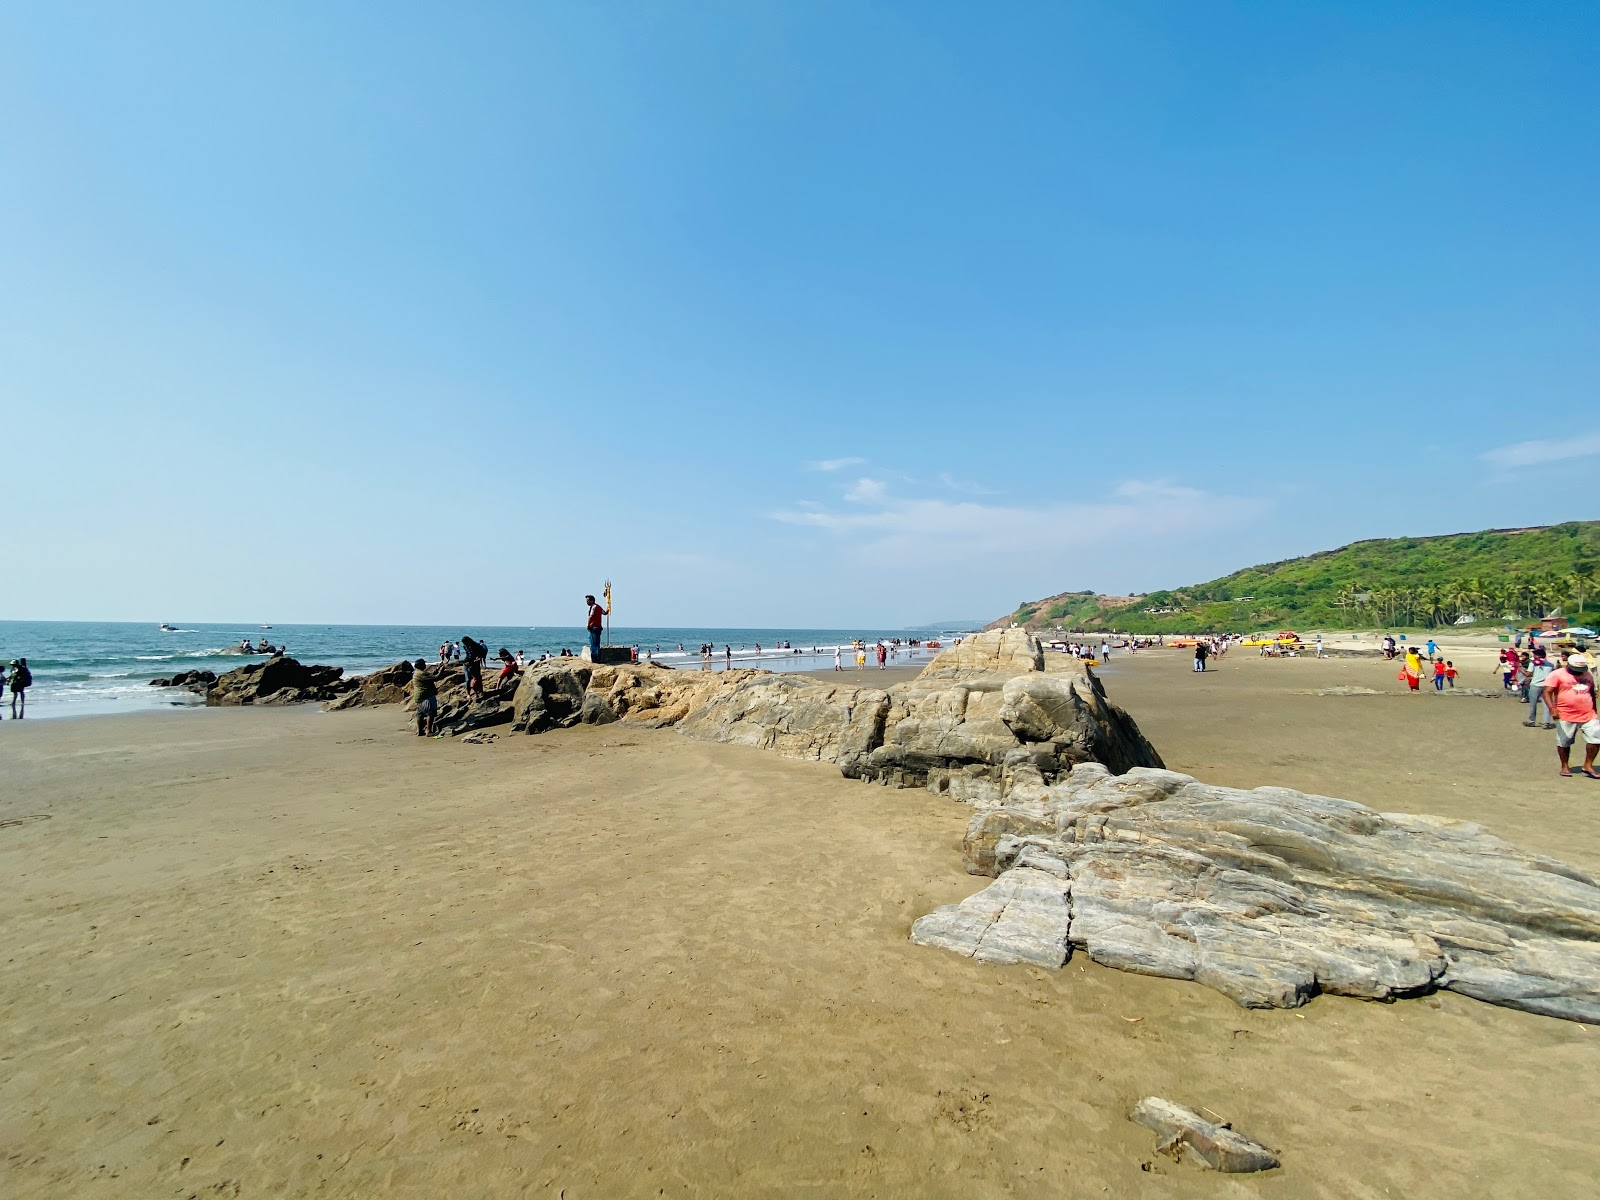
(1271, 895)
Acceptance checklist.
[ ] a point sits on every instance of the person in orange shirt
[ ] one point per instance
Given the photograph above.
(1569, 692)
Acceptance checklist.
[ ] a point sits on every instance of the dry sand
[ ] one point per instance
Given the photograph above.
(288, 953)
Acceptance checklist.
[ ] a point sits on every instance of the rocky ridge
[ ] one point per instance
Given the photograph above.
(1271, 896)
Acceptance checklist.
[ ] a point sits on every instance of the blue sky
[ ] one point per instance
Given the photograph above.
(813, 314)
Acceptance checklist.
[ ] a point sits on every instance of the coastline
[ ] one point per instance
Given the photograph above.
(606, 955)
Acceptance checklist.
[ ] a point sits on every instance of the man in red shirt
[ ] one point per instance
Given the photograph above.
(1569, 692)
(597, 623)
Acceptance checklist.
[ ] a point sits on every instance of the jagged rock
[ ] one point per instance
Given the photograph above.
(391, 685)
(278, 680)
(1186, 1136)
(1271, 895)
(551, 695)
(194, 681)
(985, 720)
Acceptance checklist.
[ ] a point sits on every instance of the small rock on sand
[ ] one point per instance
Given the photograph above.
(1188, 1137)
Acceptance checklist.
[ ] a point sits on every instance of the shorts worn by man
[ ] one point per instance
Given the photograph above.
(1569, 691)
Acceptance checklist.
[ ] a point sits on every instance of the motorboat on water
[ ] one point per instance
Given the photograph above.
(165, 628)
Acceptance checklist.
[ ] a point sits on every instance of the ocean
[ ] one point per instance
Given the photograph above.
(83, 668)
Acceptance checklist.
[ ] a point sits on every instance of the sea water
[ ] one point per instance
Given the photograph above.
(82, 668)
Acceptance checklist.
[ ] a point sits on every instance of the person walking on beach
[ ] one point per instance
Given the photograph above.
(425, 695)
(838, 659)
(2, 681)
(1412, 671)
(1201, 650)
(596, 625)
(883, 656)
(21, 681)
(1438, 674)
(861, 657)
(1569, 691)
(1539, 672)
(727, 654)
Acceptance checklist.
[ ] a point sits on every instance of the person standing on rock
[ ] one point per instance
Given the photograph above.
(1569, 692)
(596, 626)
(425, 694)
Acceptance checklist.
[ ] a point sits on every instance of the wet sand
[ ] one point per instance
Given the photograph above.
(287, 953)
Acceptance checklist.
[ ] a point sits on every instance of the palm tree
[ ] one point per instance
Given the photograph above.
(1579, 583)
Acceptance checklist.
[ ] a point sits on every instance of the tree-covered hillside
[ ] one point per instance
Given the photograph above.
(1493, 576)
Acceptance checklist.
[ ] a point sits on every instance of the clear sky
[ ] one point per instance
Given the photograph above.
(803, 313)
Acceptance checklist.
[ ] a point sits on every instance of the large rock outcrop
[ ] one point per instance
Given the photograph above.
(984, 721)
(278, 680)
(562, 692)
(1271, 896)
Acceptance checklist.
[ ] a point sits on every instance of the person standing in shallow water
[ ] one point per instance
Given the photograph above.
(21, 681)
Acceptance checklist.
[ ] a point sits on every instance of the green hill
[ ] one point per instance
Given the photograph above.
(1493, 576)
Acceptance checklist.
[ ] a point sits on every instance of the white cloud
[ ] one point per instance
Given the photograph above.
(1544, 450)
(867, 491)
(890, 530)
(835, 464)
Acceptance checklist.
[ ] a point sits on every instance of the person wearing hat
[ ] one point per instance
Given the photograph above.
(1569, 692)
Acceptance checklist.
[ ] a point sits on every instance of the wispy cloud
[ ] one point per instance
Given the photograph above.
(835, 464)
(965, 485)
(889, 529)
(1540, 451)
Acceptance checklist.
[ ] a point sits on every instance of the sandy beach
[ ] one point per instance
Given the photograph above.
(290, 953)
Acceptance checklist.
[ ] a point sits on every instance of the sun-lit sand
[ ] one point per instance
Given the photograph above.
(286, 953)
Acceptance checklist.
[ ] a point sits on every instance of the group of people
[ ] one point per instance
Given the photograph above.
(1418, 666)
(881, 650)
(20, 680)
(1209, 648)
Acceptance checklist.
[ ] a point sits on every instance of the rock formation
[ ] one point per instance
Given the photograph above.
(194, 681)
(391, 685)
(1271, 896)
(278, 680)
(984, 721)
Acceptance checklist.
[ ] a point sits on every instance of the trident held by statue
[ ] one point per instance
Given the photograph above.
(608, 611)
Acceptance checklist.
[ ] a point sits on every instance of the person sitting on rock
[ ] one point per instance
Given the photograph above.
(509, 668)
(425, 694)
